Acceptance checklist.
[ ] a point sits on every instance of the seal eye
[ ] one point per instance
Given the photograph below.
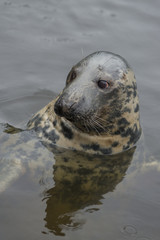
(73, 76)
(103, 84)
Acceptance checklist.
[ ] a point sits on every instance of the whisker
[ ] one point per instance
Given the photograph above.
(98, 122)
(100, 119)
(94, 123)
(93, 126)
(82, 51)
(85, 125)
(99, 125)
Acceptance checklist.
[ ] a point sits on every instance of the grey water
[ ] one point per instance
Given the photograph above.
(39, 42)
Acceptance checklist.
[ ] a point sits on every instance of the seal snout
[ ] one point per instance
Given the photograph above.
(58, 108)
(64, 108)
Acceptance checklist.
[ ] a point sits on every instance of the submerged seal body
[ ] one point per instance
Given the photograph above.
(97, 111)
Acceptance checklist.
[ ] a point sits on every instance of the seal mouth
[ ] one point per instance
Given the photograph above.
(90, 121)
(91, 124)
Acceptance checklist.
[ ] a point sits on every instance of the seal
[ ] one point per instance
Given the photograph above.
(97, 111)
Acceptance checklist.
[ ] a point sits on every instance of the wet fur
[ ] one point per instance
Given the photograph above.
(88, 118)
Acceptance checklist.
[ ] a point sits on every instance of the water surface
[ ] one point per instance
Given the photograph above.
(39, 43)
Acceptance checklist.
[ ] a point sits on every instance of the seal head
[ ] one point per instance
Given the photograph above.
(99, 105)
(100, 94)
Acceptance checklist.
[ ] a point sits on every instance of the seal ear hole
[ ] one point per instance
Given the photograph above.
(103, 84)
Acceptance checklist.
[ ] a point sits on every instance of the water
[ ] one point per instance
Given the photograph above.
(39, 43)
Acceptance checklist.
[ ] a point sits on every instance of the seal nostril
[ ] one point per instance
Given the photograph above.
(65, 109)
(58, 108)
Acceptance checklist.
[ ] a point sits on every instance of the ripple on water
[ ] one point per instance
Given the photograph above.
(129, 230)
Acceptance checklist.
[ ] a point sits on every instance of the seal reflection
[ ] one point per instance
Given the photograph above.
(81, 180)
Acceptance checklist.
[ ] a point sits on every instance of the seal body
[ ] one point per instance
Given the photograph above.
(97, 111)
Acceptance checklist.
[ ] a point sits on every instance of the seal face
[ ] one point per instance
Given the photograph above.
(94, 93)
(97, 111)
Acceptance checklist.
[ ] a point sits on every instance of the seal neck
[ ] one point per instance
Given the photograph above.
(58, 131)
(72, 138)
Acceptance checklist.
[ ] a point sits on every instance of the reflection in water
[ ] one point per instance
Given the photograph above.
(81, 180)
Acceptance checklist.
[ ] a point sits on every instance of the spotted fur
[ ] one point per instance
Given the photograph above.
(87, 118)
